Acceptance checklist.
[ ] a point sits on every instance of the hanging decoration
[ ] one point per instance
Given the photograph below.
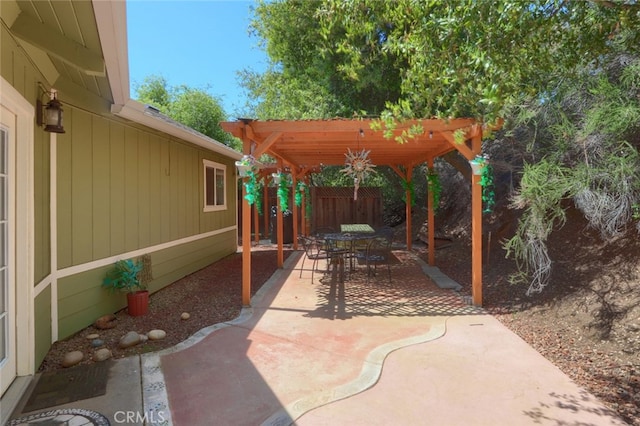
(480, 166)
(252, 187)
(302, 191)
(488, 188)
(433, 185)
(408, 187)
(358, 166)
(245, 165)
(283, 191)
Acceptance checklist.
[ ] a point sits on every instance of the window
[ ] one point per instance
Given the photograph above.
(215, 194)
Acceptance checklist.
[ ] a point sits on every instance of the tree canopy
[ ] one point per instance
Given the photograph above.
(429, 58)
(192, 107)
(564, 72)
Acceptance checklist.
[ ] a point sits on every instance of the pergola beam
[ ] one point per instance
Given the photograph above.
(267, 143)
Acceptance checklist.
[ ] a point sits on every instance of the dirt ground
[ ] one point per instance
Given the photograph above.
(587, 321)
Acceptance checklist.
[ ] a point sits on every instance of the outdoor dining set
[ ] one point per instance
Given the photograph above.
(344, 251)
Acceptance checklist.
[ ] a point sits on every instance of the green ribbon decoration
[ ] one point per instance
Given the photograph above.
(434, 186)
(283, 191)
(252, 187)
(408, 186)
(488, 192)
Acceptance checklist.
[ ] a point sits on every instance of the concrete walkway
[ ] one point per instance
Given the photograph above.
(327, 353)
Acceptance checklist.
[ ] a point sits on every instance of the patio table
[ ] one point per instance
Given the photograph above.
(361, 228)
(346, 244)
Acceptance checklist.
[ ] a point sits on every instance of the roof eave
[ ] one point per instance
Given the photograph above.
(139, 113)
(111, 19)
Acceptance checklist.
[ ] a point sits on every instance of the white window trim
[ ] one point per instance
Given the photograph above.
(211, 164)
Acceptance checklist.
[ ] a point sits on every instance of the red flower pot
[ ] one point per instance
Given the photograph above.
(138, 303)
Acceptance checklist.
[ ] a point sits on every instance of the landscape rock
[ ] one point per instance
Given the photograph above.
(157, 334)
(130, 339)
(105, 322)
(96, 343)
(185, 316)
(143, 338)
(92, 336)
(72, 358)
(102, 355)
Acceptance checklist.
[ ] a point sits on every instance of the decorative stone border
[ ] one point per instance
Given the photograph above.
(66, 416)
(154, 392)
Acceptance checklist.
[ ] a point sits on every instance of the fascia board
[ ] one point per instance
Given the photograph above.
(137, 112)
(111, 19)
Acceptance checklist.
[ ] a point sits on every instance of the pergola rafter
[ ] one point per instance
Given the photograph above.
(307, 145)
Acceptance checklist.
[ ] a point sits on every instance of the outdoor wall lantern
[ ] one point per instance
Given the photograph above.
(50, 115)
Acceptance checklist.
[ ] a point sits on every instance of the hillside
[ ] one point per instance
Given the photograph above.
(586, 321)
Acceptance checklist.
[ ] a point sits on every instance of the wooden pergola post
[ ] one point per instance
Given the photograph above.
(431, 225)
(476, 227)
(256, 224)
(409, 174)
(280, 226)
(246, 236)
(265, 206)
(294, 208)
(303, 211)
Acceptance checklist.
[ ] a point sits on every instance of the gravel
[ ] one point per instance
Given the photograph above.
(559, 325)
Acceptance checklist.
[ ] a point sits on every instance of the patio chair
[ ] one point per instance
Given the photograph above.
(386, 232)
(378, 253)
(338, 251)
(324, 230)
(314, 250)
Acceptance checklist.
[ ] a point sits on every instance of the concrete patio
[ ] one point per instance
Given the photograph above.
(405, 352)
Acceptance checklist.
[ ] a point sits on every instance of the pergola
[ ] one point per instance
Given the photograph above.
(307, 145)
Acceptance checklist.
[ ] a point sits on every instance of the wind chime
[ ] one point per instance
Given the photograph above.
(358, 166)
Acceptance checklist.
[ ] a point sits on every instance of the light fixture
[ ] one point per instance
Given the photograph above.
(50, 115)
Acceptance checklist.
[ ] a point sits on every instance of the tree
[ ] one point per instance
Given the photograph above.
(584, 146)
(154, 91)
(194, 108)
(453, 58)
(467, 58)
(305, 78)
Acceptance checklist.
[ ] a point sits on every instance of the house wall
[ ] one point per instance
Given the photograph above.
(19, 71)
(42, 311)
(112, 189)
(120, 189)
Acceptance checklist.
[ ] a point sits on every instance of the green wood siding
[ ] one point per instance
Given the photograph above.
(81, 189)
(16, 68)
(42, 309)
(121, 188)
(100, 187)
(81, 299)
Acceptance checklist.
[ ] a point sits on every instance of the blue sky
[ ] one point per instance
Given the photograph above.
(201, 44)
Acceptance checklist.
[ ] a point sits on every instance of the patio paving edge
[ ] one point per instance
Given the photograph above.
(368, 377)
(154, 392)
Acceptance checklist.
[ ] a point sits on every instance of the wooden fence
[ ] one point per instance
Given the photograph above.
(330, 207)
(334, 206)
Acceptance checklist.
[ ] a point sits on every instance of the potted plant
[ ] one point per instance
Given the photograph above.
(481, 167)
(245, 164)
(478, 164)
(125, 277)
